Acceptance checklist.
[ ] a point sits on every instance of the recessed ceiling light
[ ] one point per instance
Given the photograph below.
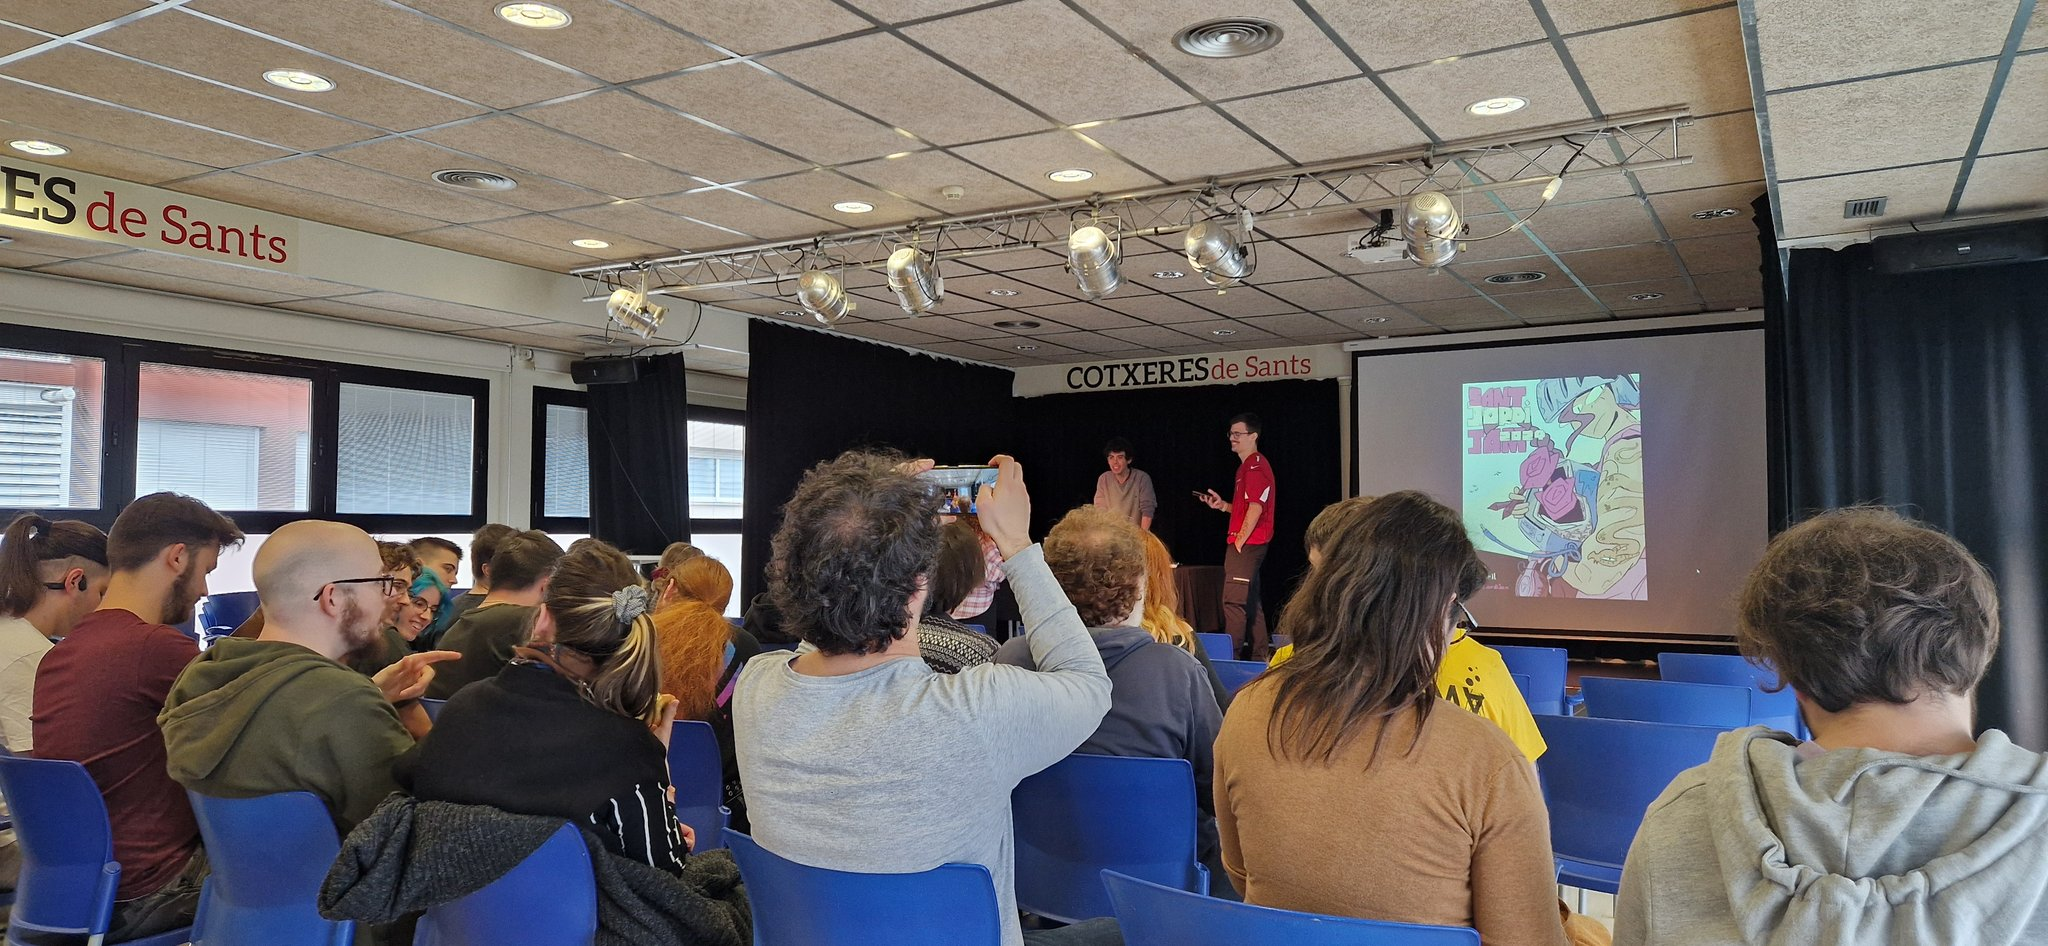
(1071, 175)
(1027, 348)
(539, 16)
(1017, 323)
(1498, 105)
(4, 240)
(1168, 274)
(36, 147)
(589, 244)
(1509, 279)
(298, 80)
(1716, 213)
(1228, 38)
(1002, 293)
(475, 180)
(1223, 331)
(853, 206)
(1645, 296)
(1376, 320)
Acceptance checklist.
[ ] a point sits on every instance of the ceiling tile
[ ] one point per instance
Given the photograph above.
(1023, 294)
(1283, 261)
(61, 247)
(247, 277)
(1676, 294)
(529, 339)
(749, 28)
(417, 161)
(1694, 62)
(1731, 290)
(94, 157)
(765, 107)
(2037, 29)
(1375, 320)
(507, 249)
(1459, 312)
(1161, 309)
(1305, 55)
(1088, 342)
(635, 219)
(1814, 208)
(612, 42)
(13, 40)
(1387, 35)
(2016, 124)
(1317, 295)
(402, 42)
(920, 175)
(895, 333)
(634, 125)
(815, 193)
(1060, 317)
(1553, 303)
(957, 328)
(98, 272)
(343, 308)
(1235, 333)
(297, 202)
(328, 176)
(1622, 264)
(968, 350)
(1502, 243)
(1339, 120)
(898, 11)
(557, 232)
(1301, 325)
(1801, 42)
(1151, 336)
(207, 48)
(1723, 149)
(522, 144)
(1030, 48)
(1513, 167)
(12, 258)
(451, 311)
(1439, 92)
(1476, 271)
(946, 107)
(2007, 182)
(1675, 210)
(67, 16)
(1029, 159)
(1594, 223)
(1575, 16)
(1186, 145)
(1242, 302)
(1719, 254)
(1413, 284)
(1808, 127)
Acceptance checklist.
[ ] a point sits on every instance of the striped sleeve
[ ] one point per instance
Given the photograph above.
(641, 825)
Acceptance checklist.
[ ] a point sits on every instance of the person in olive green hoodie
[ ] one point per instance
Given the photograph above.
(282, 712)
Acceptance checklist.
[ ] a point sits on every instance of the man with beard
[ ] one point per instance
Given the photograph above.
(98, 693)
(282, 713)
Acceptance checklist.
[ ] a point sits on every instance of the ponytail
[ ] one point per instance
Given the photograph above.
(602, 612)
(29, 542)
(629, 681)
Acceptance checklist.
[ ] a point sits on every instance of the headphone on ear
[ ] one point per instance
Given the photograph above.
(81, 583)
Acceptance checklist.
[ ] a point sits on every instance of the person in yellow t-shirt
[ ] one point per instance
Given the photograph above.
(1472, 675)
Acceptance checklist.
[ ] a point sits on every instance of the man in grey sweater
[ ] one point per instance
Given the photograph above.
(856, 755)
(1894, 824)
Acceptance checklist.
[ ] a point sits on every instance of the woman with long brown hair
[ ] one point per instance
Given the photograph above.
(1162, 617)
(1437, 804)
(51, 575)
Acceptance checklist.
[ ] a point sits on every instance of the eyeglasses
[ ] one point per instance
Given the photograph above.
(1471, 623)
(1239, 433)
(392, 586)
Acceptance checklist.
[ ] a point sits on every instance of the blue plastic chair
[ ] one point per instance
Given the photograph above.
(699, 778)
(1778, 710)
(432, 708)
(269, 856)
(1236, 673)
(1545, 668)
(1598, 777)
(550, 899)
(979, 628)
(1088, 813)
(1663, 701)
(1281, 640)
(795, 905)
(1157, 915)
(68, 871)
(1522, 684)
(1217, 645)
(227, 610)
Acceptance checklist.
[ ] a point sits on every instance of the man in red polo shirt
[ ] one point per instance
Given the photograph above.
(98, 693)
(1251, 529)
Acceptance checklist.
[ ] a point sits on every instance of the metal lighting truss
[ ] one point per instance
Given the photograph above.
(1636, 142)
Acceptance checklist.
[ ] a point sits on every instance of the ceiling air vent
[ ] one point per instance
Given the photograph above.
(1509, 279)
(475, 180)
(1228, 38)
(1865, 207)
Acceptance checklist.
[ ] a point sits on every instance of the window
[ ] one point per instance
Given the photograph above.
(724, 546)
(404, 452)
(227, 438)
(718, 462)
(51, 411)
(565, 488)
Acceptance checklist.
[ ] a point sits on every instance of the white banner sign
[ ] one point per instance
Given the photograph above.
(90, 207)
(1168, 371)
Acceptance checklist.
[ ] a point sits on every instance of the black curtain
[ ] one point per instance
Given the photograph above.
(640, 458)
(1178, 436)
(1921, 391)
(812, 396)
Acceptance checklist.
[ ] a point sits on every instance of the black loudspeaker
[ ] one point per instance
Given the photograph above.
(2021, 242)
(604, 370)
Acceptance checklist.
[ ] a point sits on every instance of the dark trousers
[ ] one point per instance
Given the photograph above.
(1242, 617)
(167, 909)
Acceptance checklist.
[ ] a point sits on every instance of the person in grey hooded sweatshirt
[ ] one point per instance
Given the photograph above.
(1894, 825)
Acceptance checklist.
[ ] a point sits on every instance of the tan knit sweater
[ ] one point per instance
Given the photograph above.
(1451, 832)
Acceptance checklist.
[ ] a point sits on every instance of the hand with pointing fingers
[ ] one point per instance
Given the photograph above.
(408, 678)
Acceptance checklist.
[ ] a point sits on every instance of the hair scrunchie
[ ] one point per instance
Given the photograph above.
(628, 604)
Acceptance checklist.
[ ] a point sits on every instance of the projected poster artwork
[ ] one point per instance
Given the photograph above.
(1554, 485)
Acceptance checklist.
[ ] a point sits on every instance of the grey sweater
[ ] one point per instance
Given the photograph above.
(1773, 842)
(898, 768)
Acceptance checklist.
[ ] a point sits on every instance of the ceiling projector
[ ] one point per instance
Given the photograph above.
(631, 310)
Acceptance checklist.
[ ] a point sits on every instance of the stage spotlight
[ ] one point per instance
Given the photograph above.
(1431, 229)
(821, 294)
(631, 310)
(1217, 254)
(1092, 258)
(915, 278)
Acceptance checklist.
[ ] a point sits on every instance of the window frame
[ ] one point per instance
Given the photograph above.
(543, 398)
(718, 415)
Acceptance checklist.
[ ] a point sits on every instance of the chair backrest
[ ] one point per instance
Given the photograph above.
(699, 779)
(1236, 673)
(1545, 668)
(1665, 701)
(1088, 813)
(1779, 710)
(68, 871)
(550, 899)
(1157, 915)
(1600, 775)
(1217, 645)
(795, 905)
(1522, 684)
(228, 609)
(269, 856)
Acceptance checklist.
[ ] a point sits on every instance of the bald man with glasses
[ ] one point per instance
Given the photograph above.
(283, 712)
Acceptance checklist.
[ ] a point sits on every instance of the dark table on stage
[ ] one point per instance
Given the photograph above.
(1200, 589)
